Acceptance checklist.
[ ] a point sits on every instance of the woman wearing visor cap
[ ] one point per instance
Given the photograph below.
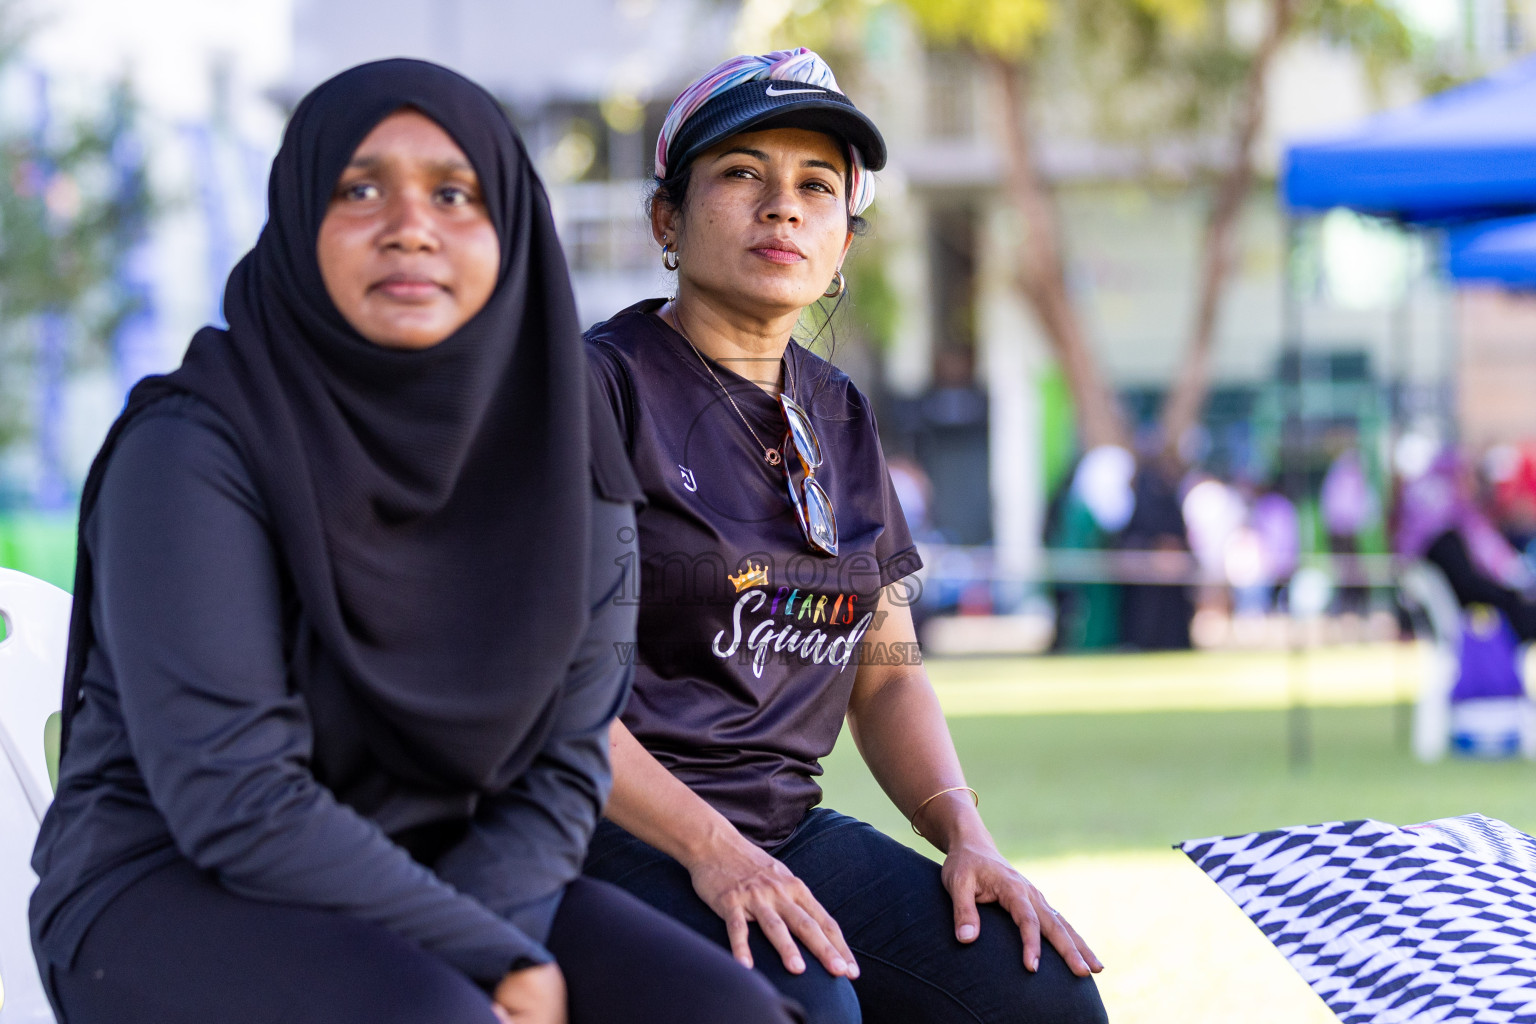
(772, 605)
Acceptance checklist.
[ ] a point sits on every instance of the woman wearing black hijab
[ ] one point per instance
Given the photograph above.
(342, 661)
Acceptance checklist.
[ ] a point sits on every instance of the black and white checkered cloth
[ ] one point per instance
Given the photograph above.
(1394, 925)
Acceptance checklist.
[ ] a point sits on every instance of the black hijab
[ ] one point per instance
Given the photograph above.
(431, 508)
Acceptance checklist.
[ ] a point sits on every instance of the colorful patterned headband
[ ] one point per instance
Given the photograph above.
(798, 65)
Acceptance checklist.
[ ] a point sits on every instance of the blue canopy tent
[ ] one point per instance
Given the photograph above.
(1466, 154)
(1501, 251)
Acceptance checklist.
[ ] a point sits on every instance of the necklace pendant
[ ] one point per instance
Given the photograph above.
(771, 456)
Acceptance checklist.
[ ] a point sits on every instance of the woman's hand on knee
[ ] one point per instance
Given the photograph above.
(974, 875)
(533, 995)
(741, 883)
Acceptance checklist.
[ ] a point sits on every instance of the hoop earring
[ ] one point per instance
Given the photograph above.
(669, 258)
(837, 287)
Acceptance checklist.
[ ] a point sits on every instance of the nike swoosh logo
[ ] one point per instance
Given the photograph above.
(770, 91)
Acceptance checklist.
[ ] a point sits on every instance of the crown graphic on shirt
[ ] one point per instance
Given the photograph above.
(751, 576)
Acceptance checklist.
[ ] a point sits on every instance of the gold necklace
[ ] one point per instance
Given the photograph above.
(770, 455)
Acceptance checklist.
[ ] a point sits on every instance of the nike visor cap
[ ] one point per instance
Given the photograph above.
(775, 103)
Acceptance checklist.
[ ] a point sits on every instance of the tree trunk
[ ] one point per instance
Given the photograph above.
(1041, 276)
(1186, 398)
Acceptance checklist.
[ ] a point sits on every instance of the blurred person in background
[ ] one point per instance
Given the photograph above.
(1348, 507)
(1246, 572)
(1438, 519)
(1273, 519)
(1213, 512)
(350, 582)
(1088, 515)
(914, 492)
(949, 437)
(1511, 470)
(773, 604)
(1441, 520)
(1155, 616)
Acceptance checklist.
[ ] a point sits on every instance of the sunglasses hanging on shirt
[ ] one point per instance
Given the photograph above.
(813, 509)
(812, 506)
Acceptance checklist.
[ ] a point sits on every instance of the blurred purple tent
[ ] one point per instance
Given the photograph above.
(1466, 154)
(1501, 252)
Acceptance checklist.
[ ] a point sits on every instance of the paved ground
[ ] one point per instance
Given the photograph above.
(1175, 949)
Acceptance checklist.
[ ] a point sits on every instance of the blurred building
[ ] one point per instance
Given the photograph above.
(953, 358)
(1496, 367)
(934, 329)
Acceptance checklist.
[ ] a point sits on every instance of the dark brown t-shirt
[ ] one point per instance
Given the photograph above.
(748, 639)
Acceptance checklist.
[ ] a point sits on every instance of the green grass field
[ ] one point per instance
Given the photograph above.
(1094, 783)
(1088, 804)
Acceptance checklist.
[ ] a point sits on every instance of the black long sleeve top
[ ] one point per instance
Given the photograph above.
(192, 742)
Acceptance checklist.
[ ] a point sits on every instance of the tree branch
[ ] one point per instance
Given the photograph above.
(1191, 385)
(1041, 274)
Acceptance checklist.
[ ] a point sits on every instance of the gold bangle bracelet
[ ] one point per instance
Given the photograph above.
(975, 801)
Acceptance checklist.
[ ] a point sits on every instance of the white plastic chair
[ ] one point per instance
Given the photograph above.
(36, 630)
(1428, 594)
(1429, 598)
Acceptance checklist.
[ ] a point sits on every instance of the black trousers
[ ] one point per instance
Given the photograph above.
(898, 920)
(177, 948)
